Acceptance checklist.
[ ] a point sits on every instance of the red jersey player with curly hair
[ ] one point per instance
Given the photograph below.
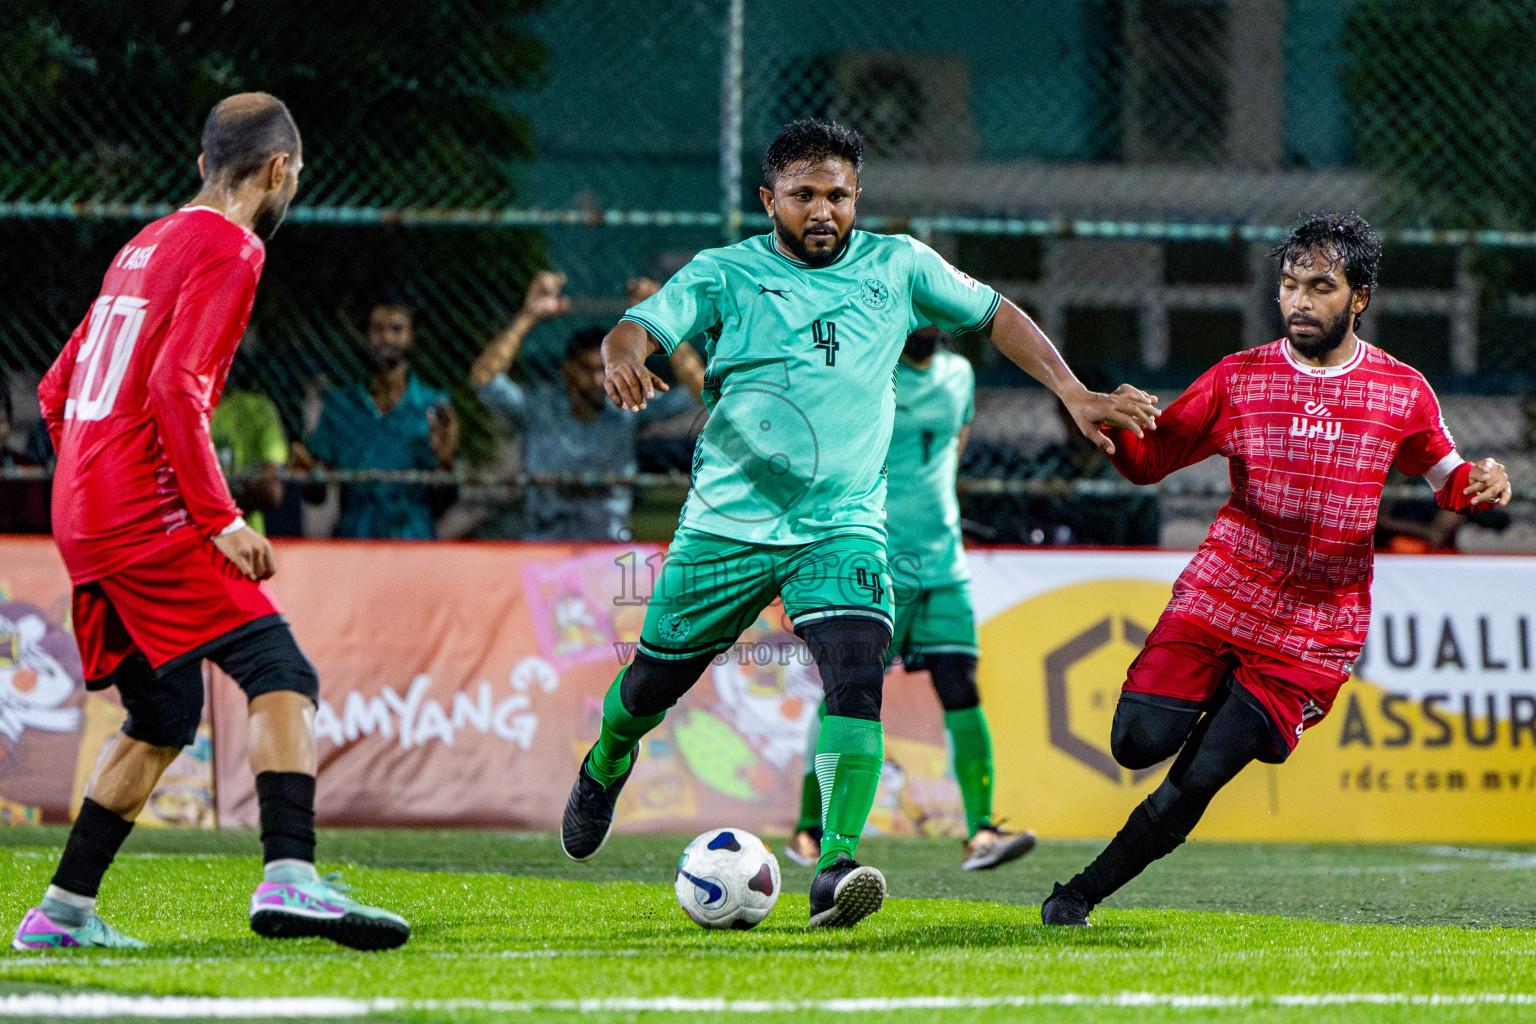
(1269, 616)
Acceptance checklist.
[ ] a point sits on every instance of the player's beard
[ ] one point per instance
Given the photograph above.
(1330, 337)
(268, 216)
(796, 247)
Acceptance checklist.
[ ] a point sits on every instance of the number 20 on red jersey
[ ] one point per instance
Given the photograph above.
(103, 358)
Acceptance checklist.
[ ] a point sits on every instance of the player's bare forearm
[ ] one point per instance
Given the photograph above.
(1017, 337)
(625, 376)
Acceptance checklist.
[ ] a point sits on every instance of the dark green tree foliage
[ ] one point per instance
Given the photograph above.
(1444, 97)
(401, 103)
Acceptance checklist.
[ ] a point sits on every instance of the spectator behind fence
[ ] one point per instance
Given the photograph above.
(569, 426)
(1124, 520)
(393, 422)
(248, 436)
(24, 504)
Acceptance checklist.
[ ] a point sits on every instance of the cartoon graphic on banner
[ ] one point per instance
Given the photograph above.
(39, 673)
(51, 730)
(582, 606)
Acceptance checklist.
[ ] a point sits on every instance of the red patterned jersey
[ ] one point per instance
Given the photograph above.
(1286, 568)
(128, 400)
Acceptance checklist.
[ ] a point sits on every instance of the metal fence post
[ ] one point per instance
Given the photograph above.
(730, 120)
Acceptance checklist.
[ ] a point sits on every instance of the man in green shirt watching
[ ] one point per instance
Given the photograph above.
(248, 436)
(935, 627)
(803, 328)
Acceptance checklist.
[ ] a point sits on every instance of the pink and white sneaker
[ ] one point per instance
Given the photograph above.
(321, 907)
(37, 931)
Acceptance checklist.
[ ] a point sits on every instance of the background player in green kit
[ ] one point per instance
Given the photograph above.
(935, 626)
(804, 326)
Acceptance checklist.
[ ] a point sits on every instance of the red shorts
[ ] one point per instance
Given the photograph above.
(168, 606)
(1182, 661)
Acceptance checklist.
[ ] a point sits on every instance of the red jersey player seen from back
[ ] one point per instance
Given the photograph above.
(1269, 616)
(129, 399)
(165, 571)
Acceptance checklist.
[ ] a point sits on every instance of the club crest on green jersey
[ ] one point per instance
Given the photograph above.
(674, 628)
(874, 294)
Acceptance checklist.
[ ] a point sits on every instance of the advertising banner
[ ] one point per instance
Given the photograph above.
(461, 684)
(1434, 739)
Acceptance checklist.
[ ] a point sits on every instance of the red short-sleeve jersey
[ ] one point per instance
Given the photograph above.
(128, 400)
(1286, 568)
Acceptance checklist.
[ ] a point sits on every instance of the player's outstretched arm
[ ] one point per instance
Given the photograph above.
(625, 376)
(1017, 337)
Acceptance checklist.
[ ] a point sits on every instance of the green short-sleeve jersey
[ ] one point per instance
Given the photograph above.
(798, 378)
(932, 406)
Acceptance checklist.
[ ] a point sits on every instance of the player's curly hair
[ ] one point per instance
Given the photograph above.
(801, 143)
(1345, 239)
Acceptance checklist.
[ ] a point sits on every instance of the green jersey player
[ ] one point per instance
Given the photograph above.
(935, 626)
(804, 326)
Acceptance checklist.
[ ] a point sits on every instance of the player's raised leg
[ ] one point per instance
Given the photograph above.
(1226, 740)
(709, 590)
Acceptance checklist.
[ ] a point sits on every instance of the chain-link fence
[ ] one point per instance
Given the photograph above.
(1118, 167)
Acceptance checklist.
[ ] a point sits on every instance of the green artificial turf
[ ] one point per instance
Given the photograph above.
(503, 917)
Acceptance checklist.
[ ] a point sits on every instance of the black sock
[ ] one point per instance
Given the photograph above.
(95, 839)
(1138, 844)
(287, 816)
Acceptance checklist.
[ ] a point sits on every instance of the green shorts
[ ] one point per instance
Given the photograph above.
(937, 620)
(711, 589)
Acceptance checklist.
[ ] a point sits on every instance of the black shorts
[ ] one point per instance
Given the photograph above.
(165, 707)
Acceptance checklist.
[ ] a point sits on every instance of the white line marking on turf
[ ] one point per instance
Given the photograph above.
(109, 1005)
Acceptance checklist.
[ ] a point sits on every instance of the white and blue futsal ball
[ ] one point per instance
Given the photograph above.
(727, 878)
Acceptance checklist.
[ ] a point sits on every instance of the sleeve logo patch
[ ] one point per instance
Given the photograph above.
(874, 294)
(962, 277)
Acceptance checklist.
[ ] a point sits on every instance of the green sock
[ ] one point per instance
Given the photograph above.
(810, 789)
(620, 735)
(972, 742)
(848, 761)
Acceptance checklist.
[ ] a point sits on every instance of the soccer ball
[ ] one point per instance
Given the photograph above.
(727, 878)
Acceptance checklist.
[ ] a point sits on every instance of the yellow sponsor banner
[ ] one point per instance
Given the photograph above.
(1434, 739)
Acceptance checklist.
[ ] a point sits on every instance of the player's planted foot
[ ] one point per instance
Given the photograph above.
(1065, 906)
(804, 847)
(298, 907)
(588, 814)
(38, 931)
(845, 893)
(992, 845)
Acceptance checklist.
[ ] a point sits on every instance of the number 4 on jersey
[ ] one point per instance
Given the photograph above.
(102, 361)
(824, 336)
